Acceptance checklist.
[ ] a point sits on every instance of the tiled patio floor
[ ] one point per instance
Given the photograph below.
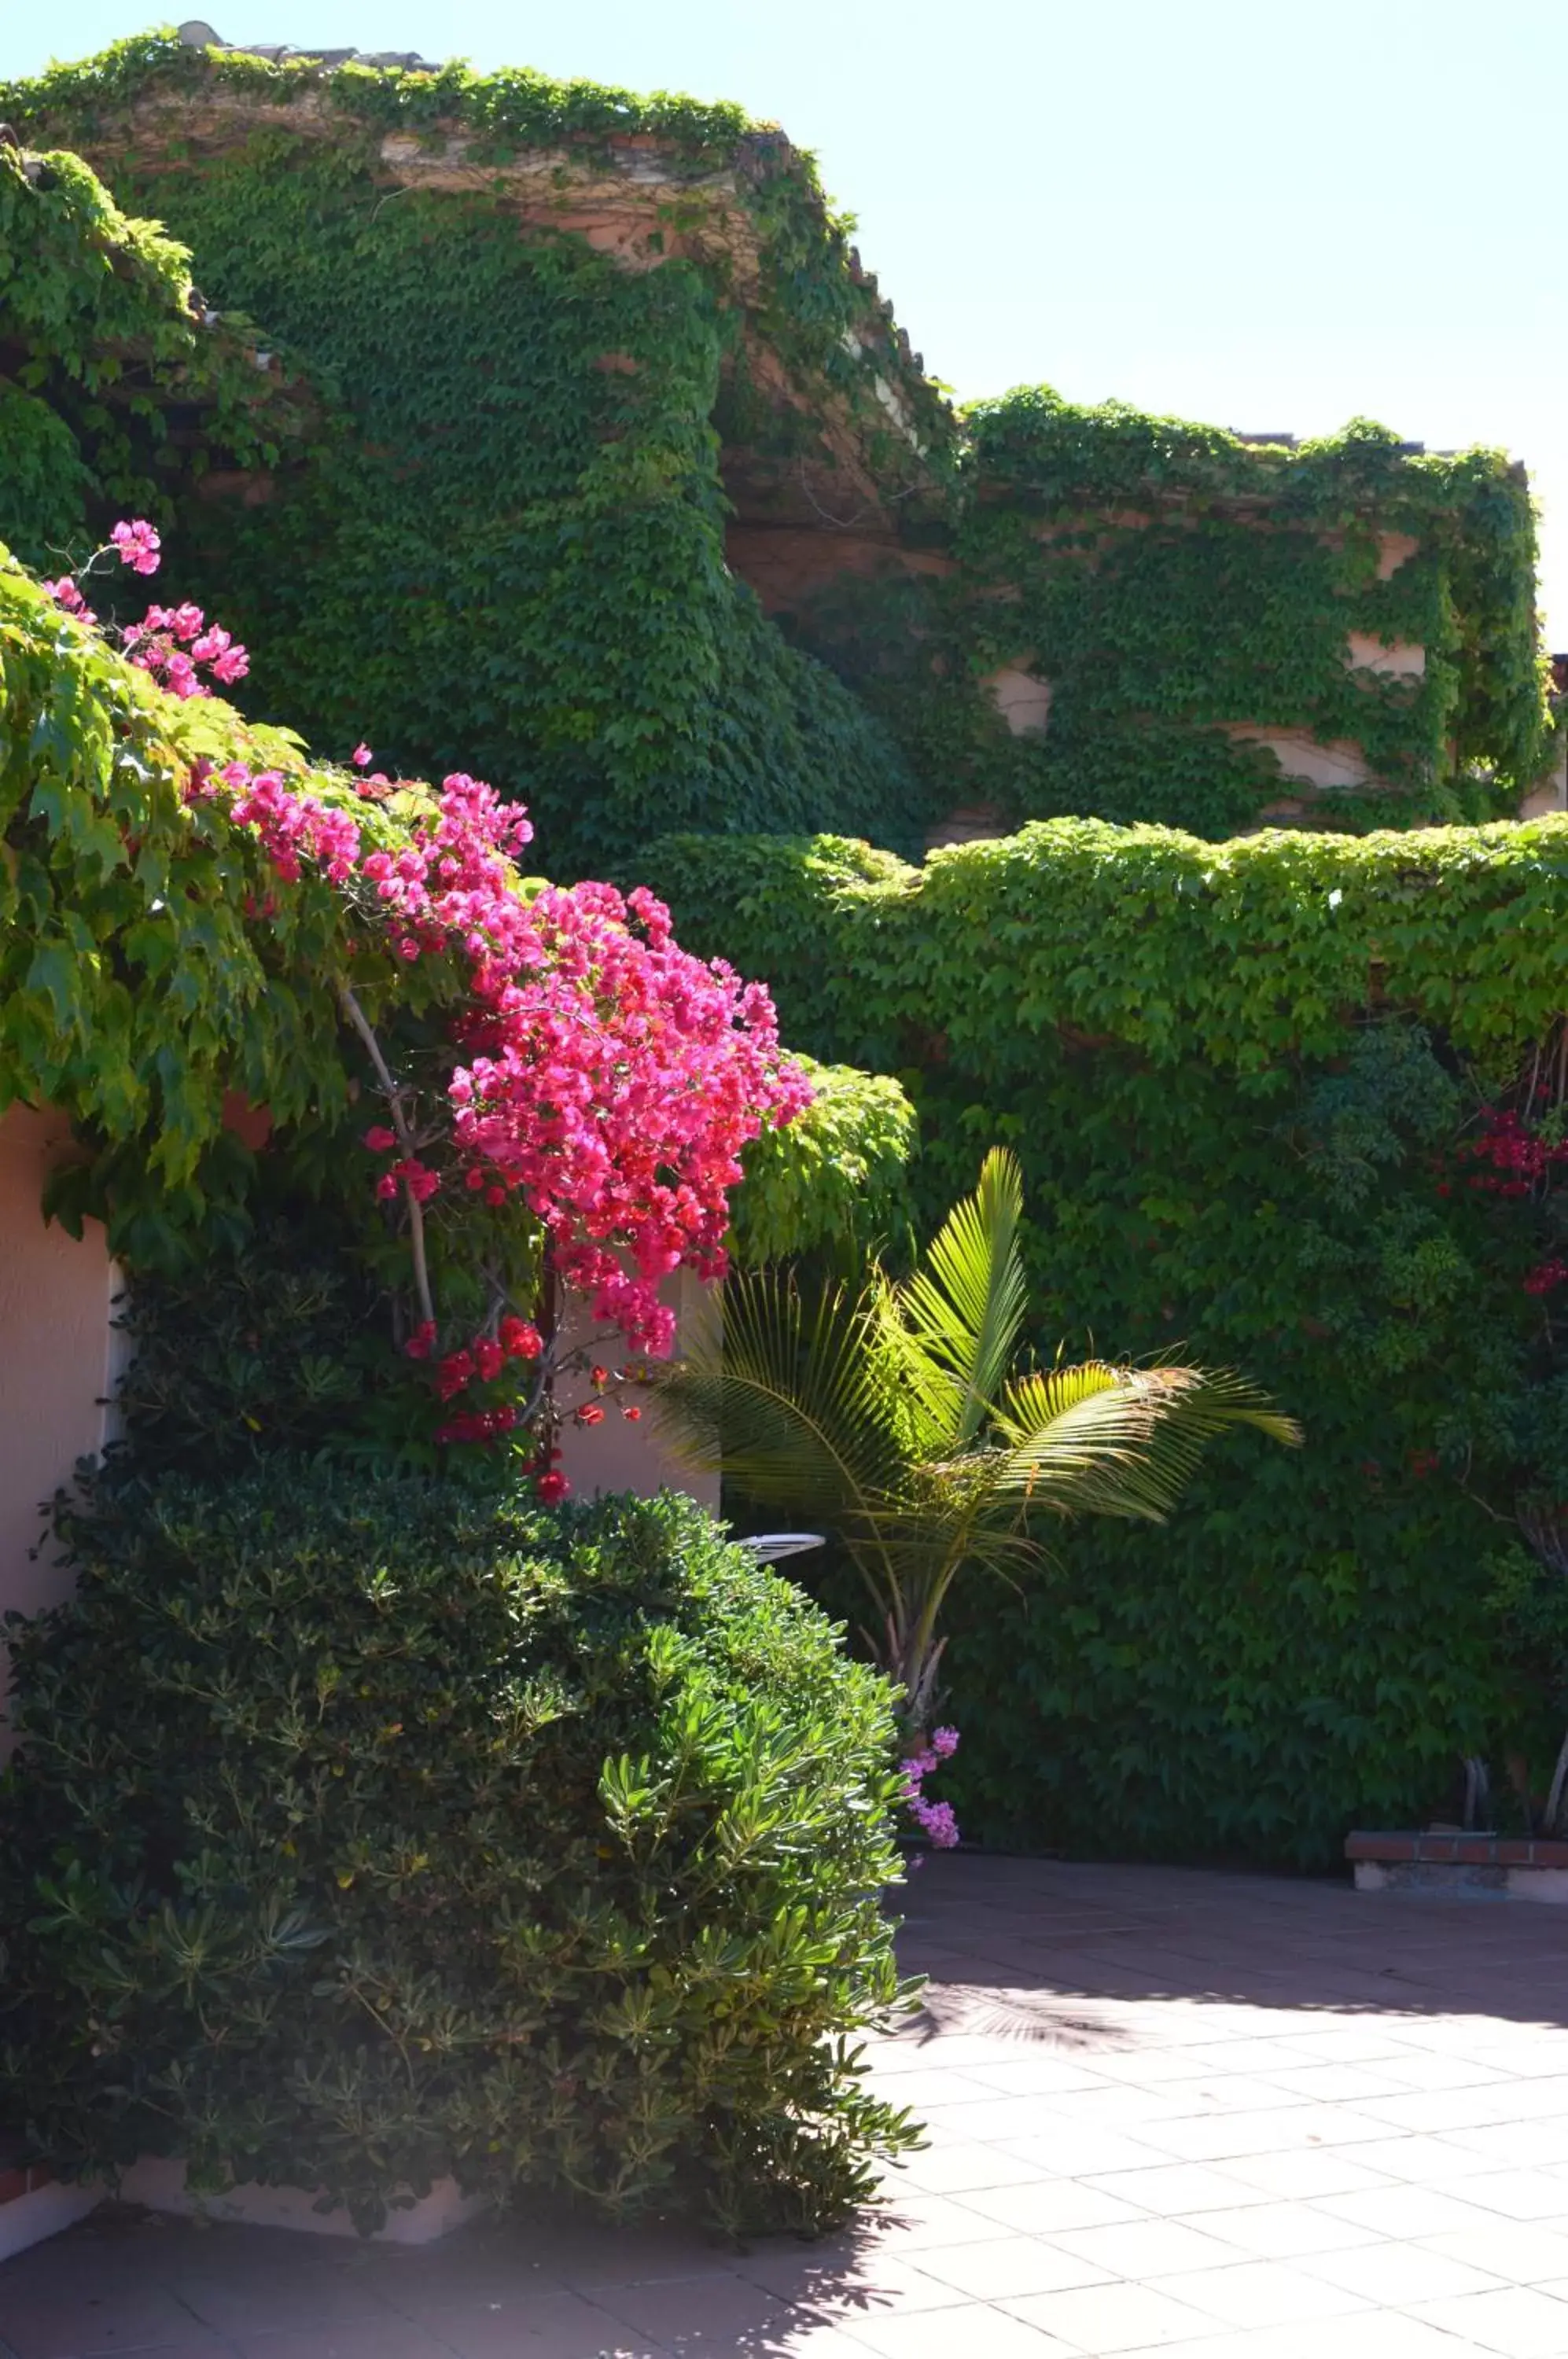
(1236, 2117)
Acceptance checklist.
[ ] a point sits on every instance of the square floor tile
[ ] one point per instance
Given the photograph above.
(1017, 2264)
(1044, 2205)
(1520, 2253)
(1399, 2276)
(1256, 2343)
(1148, 2248)
(113, 2314)
(1403, 2212)
(1517, 2321)
(702, 2314)
(842, 2289)
(1258, 2293)
(1113, 2318)
(917, 2220)
(1516, 2195)
(1170, 2190)
(964, 2333)
(1280, 2232)
(393, 2338)
(280, 2297)
(954, 2170)
(559, 2326)
(1301, 2175)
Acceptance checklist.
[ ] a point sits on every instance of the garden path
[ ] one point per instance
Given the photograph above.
(1225, 2117)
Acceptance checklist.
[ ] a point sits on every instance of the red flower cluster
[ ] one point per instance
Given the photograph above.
(1545, 1277)
(1514, 1158)
(483, 1360)
(479, 1424)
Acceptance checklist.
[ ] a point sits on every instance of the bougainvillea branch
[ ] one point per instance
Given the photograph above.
(592, 1077)
(394, 1096)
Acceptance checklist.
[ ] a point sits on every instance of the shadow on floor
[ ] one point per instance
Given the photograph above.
(1022, 1948)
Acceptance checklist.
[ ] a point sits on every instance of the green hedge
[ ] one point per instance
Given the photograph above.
(1237, 1077)
(363, 1831)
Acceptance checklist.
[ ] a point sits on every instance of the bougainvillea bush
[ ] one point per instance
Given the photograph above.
(525, 1088)
(541, 1847)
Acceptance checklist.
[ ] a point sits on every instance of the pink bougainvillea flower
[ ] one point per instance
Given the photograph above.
(603, 1082)
(138, 545)
(65, 593)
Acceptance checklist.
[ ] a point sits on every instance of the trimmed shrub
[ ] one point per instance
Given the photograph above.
(363, 1831)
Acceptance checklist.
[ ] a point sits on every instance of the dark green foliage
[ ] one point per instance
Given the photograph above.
(276, 1338)
(363, 1834)
(1236, 1077)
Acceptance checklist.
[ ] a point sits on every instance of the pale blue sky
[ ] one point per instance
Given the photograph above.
(1268, 217)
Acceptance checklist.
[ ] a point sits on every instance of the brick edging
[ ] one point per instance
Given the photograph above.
(1461, 1851)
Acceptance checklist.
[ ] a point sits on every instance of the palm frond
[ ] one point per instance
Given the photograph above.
(780, 1398)
(1099, 1439)
(965, 1306)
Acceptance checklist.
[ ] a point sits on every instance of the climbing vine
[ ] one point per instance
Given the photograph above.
(1250, 1086)
(465, 417)
(1182, 595)
(556, 1094)
(516, 468)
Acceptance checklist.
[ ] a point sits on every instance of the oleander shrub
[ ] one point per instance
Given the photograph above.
(364, 1832)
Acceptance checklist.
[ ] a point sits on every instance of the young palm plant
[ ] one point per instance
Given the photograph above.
(895, 1412)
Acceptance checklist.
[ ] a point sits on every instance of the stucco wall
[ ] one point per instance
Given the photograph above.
(619, 1455)
(57, 1355)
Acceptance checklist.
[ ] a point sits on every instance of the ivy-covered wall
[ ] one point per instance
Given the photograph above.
(506, 546)
(562, 348)
(1246, 1084)
(1185, 596)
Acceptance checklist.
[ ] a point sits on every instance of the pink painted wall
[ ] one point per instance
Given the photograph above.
(57, 1355)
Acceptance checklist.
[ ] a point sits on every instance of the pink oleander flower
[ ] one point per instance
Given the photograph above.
(937, 1823)
(361, 757)
(65, 593)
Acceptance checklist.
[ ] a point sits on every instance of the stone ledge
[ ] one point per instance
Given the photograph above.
(1462, 1851)
(158, 2182)
(42, 2208)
